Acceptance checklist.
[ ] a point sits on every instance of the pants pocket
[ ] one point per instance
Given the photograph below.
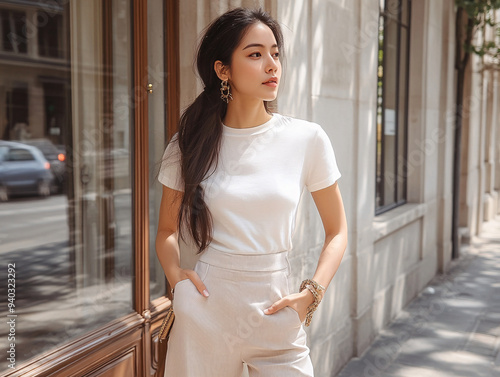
(201, 268)
(295, 314)
(185, 292)
(281, 289)
(179, 283)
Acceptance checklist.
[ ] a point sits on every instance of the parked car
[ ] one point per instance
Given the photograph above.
(23, 170)
(55, 157)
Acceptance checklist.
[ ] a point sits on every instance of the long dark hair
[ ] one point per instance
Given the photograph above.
(200, 126)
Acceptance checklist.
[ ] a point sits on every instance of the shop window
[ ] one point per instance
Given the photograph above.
(392, 104)
(13, 28)
(72, 250)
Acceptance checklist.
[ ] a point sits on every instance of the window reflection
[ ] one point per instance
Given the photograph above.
(65, 167)
(13, 22)
(50, 38)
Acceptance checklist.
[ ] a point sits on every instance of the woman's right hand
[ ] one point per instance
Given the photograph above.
(184, 274)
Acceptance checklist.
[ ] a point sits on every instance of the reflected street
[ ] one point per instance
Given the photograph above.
(31, 222)
(55, 300)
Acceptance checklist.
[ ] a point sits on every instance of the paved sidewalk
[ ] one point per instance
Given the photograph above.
(452, 328)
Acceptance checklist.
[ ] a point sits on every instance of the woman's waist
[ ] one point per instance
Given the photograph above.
(246, 261)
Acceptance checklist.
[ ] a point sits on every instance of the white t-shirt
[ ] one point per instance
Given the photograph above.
(254, 193)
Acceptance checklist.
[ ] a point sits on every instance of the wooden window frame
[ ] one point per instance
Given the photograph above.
(172, 66)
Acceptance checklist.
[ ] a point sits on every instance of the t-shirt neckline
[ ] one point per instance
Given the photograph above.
(250, 130)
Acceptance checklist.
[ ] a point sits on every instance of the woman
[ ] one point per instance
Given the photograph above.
(233, 176)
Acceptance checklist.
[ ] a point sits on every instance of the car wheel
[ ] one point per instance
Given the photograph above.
(43, 189)
(4, 194)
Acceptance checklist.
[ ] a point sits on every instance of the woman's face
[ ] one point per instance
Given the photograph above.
(255, 68)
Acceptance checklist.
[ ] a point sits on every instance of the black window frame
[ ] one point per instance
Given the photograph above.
(392, 15)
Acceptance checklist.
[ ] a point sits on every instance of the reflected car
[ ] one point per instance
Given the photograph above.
(23, 170)
(55, 156)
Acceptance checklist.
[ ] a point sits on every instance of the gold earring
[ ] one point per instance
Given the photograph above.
(225, 91)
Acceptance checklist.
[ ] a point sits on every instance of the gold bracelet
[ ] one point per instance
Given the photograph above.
(314, 287)
(314, 283)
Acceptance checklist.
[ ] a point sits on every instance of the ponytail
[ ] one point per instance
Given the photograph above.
(200, 126)
(200, 134)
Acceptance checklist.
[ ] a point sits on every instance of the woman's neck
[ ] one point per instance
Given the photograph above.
(241, 115)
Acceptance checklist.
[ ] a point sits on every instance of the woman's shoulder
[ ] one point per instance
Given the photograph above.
(299, 125)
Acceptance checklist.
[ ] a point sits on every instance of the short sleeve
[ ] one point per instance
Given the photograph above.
(170, 170)
(321, 165)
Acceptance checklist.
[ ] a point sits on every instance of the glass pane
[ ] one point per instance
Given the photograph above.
(380, 108)
(390, 110)
(393, 9)
(157, 130)
(66, 213)
(402, 114)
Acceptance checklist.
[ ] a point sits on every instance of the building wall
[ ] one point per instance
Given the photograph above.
(332, 63)
(324, 69)
(330, 78)
(480, 169)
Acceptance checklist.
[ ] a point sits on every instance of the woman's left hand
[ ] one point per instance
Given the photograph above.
(297, 301)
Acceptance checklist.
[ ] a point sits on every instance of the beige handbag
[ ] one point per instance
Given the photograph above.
(166, 326)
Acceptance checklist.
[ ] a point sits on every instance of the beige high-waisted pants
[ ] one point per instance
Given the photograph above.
(213, 336)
